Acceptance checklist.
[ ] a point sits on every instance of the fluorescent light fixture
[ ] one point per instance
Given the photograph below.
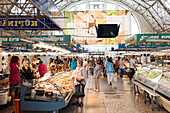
(46, 46)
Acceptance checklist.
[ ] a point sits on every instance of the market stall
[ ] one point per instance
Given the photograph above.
(156, 79)
(49, 93)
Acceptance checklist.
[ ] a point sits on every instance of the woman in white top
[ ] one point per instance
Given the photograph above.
(80, 78)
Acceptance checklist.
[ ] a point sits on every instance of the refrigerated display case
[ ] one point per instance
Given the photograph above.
(49, 93)
(142, 73)
(157, 80)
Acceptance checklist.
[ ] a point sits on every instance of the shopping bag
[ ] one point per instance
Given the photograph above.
(115, 79)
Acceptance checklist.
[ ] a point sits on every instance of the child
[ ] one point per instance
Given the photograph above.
(90, 71)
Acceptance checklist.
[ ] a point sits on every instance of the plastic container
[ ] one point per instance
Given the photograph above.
(3, 98)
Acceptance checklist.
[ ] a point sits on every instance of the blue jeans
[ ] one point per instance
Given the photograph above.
(121, 72)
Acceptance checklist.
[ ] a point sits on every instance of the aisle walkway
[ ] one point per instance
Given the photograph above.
(118, 98)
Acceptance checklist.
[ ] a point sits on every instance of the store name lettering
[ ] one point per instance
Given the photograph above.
(55, 39)
(13, 39)
(151, 37)
(130, 40)
(165, 37)
(19, 23)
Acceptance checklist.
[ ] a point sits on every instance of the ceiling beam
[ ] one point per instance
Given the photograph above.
(150, 14)
(165, 8)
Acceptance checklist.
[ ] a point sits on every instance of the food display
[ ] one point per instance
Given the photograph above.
(164, 84)
(52, 88)
(154, 73)
(142, 73)
(153, 77)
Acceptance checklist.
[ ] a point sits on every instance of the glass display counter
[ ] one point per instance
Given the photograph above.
(157, 80)
(164, 84)
(153, 78)
(49, 93)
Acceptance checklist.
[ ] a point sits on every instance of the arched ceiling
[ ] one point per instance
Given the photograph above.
(155, 12)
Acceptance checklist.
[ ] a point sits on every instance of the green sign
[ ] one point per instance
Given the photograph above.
(143, 37)
(42, 38)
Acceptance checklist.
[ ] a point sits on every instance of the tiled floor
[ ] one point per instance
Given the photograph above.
(117, 98)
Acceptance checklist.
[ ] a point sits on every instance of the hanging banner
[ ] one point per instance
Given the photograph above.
(42, 38)
(84, 23)
(27, 24)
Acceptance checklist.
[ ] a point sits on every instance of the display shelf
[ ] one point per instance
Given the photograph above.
(158, 80)
(153, 78)
(57, 91)
(142, 73)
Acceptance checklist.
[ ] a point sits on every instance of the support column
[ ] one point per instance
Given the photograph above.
(0, 55)
(129, 18)
(105, 5)
(116, 6)
(75, 6)
(87, 4)
(146, 51)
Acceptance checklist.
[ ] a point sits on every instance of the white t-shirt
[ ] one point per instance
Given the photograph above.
(121, 64)
(148, 59)
(132, 61)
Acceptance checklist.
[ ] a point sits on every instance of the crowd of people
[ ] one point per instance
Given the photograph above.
(88, 70)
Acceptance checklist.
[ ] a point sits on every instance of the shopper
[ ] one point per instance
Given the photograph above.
(148, 58)
(52, 67)
(35, 60)
(80, 77)
(132, 67)
(72, 64)
(65, 64)
(105, 62)
(90, 70)
(109, 70)
(121, 66)
(117, 66)
(42, 68)
(92, 61)
(102, 65)
(97, 74)
(25, 62)
(13, 78)
(3, 62)
(8, 60)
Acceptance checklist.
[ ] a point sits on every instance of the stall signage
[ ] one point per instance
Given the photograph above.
(130, 40)
(27, 24)
(43, 38)
(143, 37)
(53, 39)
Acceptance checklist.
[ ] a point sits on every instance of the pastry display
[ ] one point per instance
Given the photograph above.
(57, 86)
(154, 73)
